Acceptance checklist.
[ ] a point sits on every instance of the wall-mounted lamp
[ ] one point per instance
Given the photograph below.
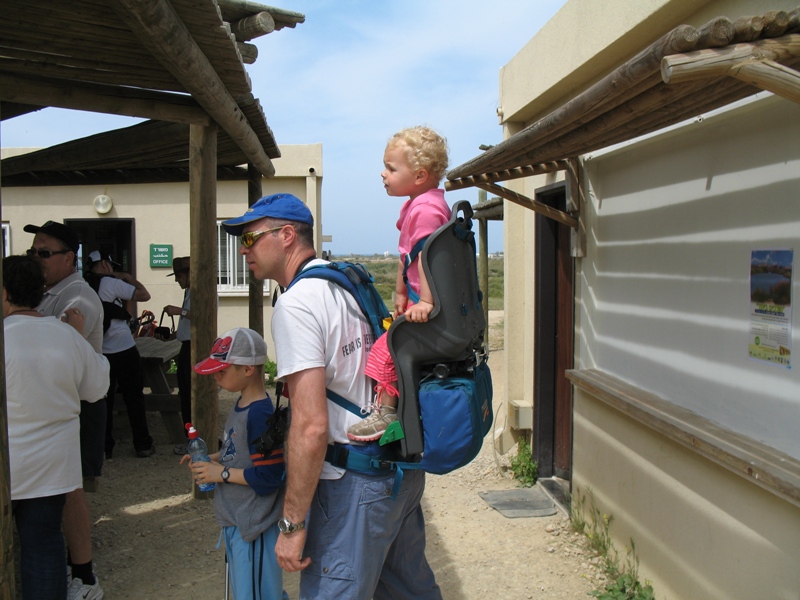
(102, 204)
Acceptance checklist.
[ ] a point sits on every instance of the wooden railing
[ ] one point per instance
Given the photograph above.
(763, 465)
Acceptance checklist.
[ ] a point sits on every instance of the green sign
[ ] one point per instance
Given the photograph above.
(161, 256)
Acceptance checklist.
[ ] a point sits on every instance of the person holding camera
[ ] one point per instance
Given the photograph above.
(249, 501)
(115, 289)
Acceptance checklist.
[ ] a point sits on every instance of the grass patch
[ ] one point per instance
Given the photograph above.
(524, 469)
(623, 574)
(384, 270)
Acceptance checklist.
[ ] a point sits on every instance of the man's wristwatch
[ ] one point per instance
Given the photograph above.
(184, 312)
(225, 475)
(286, 526)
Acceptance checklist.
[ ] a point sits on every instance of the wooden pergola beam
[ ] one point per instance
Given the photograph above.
(130, 102)
(534, 205)
(771, 76)
(602, 96)
(515, 173)
(166, 36)
(716, 62)
(755, 63)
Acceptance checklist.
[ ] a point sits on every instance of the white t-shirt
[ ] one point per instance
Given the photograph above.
(50, 368)
(118, 336)
(317, 323)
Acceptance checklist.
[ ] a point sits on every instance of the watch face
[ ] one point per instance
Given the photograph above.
(285, 525)
(225, 475)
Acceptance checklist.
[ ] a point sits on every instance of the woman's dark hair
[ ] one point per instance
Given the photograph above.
(23, 280)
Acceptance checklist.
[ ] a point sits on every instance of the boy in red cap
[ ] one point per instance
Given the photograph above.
(249, 502)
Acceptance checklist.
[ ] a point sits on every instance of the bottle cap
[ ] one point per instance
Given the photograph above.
(192, 431)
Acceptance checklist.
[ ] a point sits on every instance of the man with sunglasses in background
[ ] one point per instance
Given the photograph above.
(56, 247)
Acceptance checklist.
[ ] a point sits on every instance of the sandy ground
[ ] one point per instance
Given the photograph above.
(153, 540)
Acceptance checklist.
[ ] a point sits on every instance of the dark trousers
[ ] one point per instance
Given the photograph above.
(184, 365)
(93, 427)
(126, 377)
(43, 561)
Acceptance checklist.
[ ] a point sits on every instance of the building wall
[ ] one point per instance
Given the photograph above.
(161, 216)
(666, 302)
(662, 302)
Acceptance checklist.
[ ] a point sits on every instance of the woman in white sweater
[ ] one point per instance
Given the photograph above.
(49, 369)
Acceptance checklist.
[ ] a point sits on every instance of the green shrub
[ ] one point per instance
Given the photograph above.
(524, 469)
(271, 369)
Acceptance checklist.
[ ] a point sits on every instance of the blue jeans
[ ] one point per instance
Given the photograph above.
(363, 544)
(43, 560)
(254, 570)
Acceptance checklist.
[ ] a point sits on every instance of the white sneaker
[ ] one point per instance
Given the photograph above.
(79, 591)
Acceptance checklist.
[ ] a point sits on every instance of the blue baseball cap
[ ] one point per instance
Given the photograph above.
(277, 206)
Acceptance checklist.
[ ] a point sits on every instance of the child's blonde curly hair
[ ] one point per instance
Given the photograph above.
(426, 149)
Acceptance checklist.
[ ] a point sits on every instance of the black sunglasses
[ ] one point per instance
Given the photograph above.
(44, 253)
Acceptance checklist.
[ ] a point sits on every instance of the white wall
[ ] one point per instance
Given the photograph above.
(665, 294)
(161, 216)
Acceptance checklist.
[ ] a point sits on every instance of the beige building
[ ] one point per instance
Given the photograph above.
(637, 354)
(147, 223)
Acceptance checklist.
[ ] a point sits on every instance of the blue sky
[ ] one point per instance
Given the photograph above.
(352, 75)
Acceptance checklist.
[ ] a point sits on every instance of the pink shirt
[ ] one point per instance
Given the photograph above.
(419, 218)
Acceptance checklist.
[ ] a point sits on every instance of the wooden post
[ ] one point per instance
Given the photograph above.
(203, 235)
(256, 302)
(7, 582)
(483, 263)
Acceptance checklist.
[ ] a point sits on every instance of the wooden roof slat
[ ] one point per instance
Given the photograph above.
(633, 100)
(642, 66)
(132, 102)
(82, 55)
(158, 26)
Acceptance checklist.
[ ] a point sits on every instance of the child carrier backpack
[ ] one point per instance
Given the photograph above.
(445, 403)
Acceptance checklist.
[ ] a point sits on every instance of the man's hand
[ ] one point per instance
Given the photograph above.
(172, 310)
(289, 551)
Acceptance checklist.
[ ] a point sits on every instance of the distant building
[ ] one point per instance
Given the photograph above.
(147, 224)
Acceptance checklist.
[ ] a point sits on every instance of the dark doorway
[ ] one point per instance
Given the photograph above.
(553, 331)
(112, 236)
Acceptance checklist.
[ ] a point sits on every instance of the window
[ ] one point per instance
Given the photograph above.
(6, 240)
(232, 272)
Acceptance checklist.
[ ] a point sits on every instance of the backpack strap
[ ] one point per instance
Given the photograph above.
(354, 278)
(370, 459)
(412, 295)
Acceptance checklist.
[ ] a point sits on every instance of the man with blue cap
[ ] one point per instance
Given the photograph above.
(353, 549)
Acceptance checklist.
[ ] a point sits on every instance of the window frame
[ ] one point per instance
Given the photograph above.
(227, 255)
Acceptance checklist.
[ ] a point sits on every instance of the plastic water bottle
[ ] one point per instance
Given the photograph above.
(198, 450)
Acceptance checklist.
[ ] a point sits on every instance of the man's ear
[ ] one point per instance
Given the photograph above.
(288, 235)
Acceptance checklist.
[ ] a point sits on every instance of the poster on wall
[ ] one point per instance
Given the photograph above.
(771, 306)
